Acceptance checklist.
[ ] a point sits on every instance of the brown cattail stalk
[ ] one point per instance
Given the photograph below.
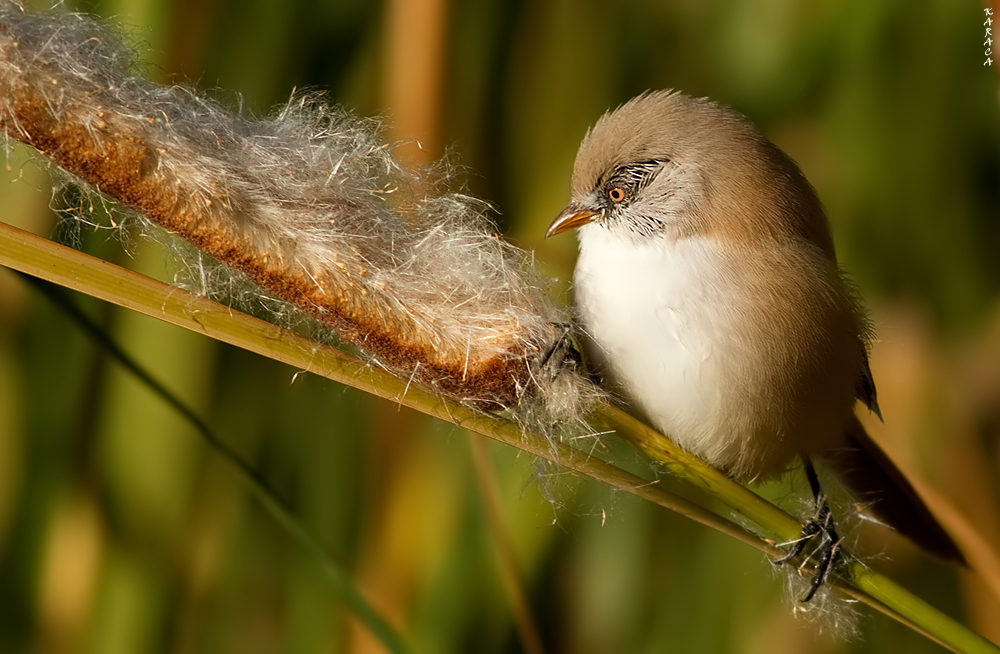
(309, 205)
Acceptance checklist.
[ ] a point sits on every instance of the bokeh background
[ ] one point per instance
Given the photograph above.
(121, 531)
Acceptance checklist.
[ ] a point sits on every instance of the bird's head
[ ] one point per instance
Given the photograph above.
(665, 164)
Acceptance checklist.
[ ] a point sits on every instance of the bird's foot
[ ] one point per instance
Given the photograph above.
(820, 537)
(561, 352)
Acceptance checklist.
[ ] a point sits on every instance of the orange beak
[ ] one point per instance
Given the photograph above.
(573, 216)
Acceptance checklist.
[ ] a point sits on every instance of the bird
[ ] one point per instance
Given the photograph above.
(711, 302)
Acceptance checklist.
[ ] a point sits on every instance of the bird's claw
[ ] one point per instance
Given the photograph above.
(820, 535)
(561, 352)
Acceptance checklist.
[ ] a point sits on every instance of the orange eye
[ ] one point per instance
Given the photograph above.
(616, 194)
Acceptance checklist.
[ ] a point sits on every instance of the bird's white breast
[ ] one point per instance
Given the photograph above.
(657, 313)
(747, 361)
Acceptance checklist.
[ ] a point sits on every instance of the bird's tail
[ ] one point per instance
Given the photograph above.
(874, 479)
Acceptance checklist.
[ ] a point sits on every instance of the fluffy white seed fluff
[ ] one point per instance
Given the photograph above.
(310, 205)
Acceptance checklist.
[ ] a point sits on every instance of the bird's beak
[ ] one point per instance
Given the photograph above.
(575, 215)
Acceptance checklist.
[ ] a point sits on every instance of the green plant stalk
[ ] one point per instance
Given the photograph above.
(39, 257)
(774, 523)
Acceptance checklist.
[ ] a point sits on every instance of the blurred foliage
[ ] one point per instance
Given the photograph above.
(121, 532)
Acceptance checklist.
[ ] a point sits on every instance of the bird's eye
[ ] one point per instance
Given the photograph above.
(616, 194)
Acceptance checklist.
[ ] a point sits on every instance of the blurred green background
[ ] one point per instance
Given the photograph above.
(120, 531)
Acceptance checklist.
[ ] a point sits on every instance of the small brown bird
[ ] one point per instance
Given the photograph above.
(710, 294)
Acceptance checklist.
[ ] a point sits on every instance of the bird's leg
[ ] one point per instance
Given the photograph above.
(820, 526)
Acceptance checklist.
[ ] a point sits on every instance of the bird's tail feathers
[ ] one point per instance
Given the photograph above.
(873, 478)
